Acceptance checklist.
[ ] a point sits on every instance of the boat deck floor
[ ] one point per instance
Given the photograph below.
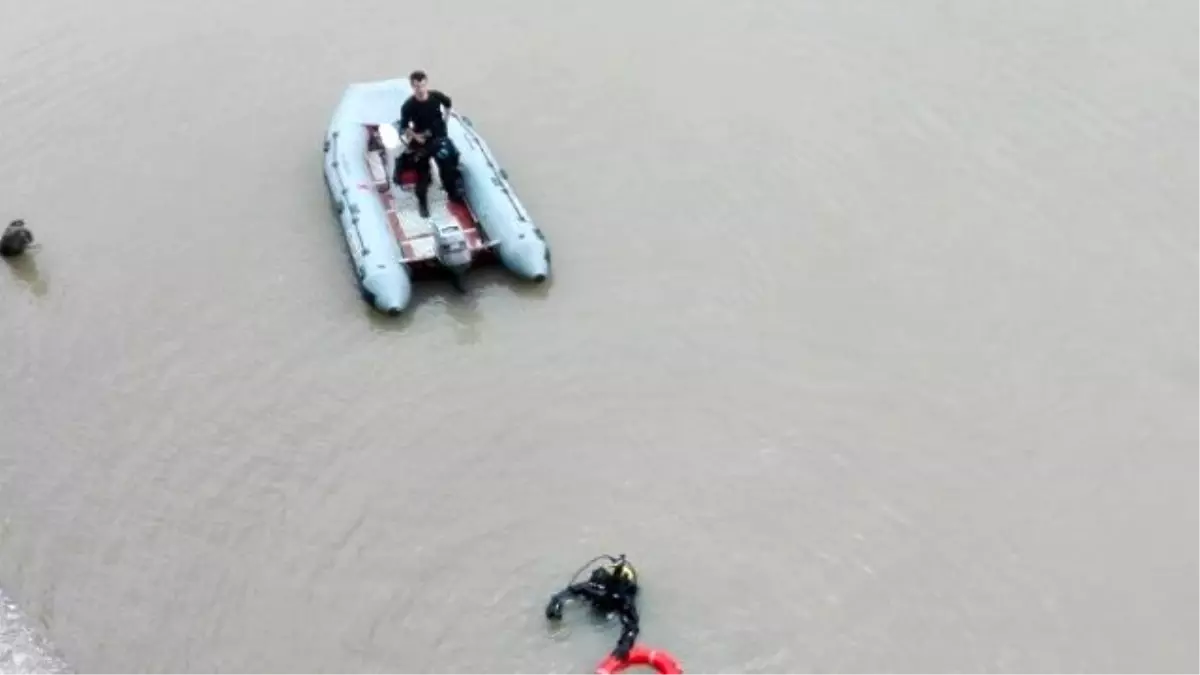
(415, 233)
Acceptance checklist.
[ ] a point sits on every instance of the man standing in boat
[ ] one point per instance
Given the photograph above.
(423, 123)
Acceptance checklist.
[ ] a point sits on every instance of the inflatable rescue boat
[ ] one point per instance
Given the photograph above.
(391, 243)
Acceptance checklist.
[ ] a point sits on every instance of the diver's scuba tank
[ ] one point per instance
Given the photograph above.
(624, 570)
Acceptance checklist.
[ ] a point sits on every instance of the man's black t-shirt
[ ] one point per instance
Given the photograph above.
(425, 115)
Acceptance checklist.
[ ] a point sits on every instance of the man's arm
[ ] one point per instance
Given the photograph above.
(583, 589)
(443, 99)
(405, 116)
(629, 631)
(406, 121)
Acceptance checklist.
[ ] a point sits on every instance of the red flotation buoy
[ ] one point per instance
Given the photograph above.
(657, 659)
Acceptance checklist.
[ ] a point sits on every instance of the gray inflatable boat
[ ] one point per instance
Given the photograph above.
(391, 244)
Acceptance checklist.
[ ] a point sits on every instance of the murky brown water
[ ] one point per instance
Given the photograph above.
(873, 339)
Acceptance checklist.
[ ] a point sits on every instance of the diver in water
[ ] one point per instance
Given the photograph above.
(15, 239)
(610, 589)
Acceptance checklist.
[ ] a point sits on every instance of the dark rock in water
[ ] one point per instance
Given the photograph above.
(15, 240)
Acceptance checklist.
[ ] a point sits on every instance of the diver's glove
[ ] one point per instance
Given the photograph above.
(554, 609)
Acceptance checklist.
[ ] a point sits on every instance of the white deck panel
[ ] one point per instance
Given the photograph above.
(418, 230)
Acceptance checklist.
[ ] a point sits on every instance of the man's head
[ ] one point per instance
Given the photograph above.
(15, 239)
(420, 84)
(600, 575)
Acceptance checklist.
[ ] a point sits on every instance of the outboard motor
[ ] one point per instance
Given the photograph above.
(453, 252)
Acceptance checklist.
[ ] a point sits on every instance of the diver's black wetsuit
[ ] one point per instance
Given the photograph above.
(608, 590)
(426, 118)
